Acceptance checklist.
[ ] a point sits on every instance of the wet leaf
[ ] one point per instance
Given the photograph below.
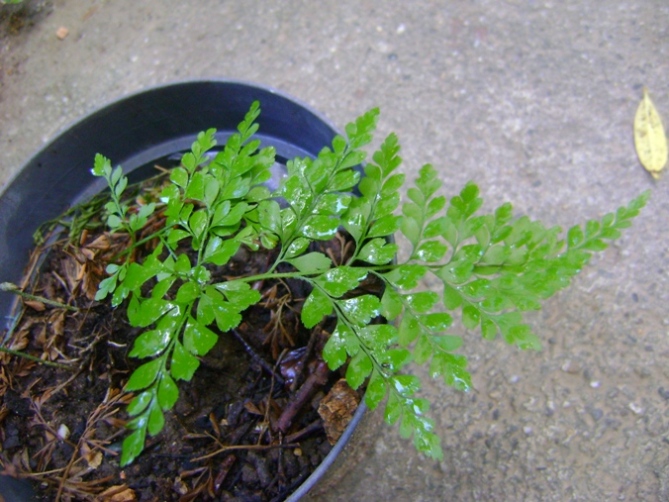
(143, 376)
(198, 339)
(358, 370)
(219, 251)
(320, 228)
(187, 292)
(150, 343)
(376, 390)
(311, 262)
(334, 352)
(317, 306)
(133, 446)
(139, 403)
(183, 363)
(338, 281)
(156, 420)
(362, 309)
(649, 137)
(378, 252)
(168, 392)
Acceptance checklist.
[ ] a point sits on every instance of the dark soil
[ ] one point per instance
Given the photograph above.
(62, 427)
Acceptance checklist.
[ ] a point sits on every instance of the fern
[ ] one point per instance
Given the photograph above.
(493, 268)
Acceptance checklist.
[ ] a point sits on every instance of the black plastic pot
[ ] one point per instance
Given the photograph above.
(135, 132)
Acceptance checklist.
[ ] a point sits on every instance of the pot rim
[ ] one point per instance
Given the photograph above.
(151, 89)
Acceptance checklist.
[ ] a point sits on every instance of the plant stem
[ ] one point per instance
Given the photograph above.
(13, 288)
(35, 359)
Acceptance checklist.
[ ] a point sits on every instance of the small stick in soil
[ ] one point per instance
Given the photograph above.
(244, 447)
(13, 288)
(315, 426)
(254, 355)
(314, 381)
(18, 353)
(226, 465)
(307, 354)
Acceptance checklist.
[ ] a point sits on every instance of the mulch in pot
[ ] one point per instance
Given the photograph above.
(257, 418)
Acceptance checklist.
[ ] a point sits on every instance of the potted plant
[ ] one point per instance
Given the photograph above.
(281, 244)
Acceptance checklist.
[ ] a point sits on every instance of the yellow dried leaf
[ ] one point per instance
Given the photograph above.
(649, 137)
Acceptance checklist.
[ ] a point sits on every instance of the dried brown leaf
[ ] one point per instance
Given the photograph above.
(35, 305)
(101, 242)
(20, 340)
(337, 409)
(118, 493)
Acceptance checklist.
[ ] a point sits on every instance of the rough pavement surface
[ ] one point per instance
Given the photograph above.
(532, 99)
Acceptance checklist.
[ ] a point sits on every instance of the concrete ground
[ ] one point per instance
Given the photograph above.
(532, 99)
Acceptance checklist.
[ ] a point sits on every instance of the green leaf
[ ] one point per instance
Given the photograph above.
(423, 349)
(311, 263)
(431, 251)
(233, 217)
(179, 176)
(188, 292)
(297, 247)
(139, 403)
(198, 339)
(360, 310)
(198, 224)
(101, 165)
(358, 370)
(219, 251)
(195, 188)
(226, 313)
(317, 306)
(429, 444)
(182, 265)
(488, 328)
(239, 293)
(168, 392)
(471, 316)
(406, 385)
(339, 280)
(408, 331)
(156, 420)
(378, 252)
(447, 343)
(133, 446)
(378, 337)
(183, 364)
(334, 352)
(436, 321)
(452, 297)
(150, 343)
(376, 390)
(405, 276)
(106, 287)
(395, 359)
(175, 235)
(410, 227)
(143, 376)
(391, 304)
(386, 225)
(393, 411)
(452, 368)
(269, 214)
(320, 227)
(575, 236)
(422, 301)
